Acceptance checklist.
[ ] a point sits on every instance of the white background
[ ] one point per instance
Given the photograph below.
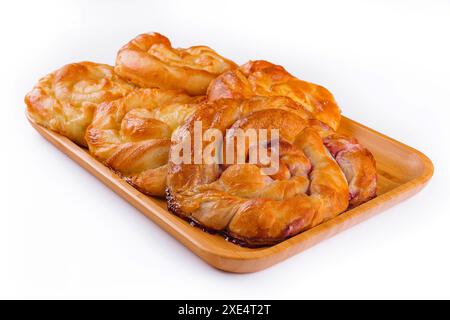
(65, 235)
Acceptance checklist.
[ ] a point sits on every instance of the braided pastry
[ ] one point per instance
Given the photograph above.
(132, 135)
(266, 79)
(65, 100)
(150, 61)
(255, 209)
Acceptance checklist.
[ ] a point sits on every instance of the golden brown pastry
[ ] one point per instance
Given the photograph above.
(150, 61)
(355, 161)
(65, 100)
(255, 209)
(320, 173)
(132, 135)
(266, 79)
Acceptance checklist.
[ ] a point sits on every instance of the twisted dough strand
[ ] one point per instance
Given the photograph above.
(65, 100)
(150, 61)
(263, 78)
(238, 199)
(355, 161)
(132, 135)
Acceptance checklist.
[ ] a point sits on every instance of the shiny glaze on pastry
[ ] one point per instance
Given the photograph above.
(255, 209)
(132, 135)
(321, 173)
(149, 60)
(355, 161)
(65, 100)
(266, 79)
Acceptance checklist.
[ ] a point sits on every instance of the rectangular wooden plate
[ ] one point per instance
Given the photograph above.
(402, 172)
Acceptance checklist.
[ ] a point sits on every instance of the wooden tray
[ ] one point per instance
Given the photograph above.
(402, 172)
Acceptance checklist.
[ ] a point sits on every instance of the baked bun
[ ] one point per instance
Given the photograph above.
(65, 100)
(132, 135)
(245, 204)
(263, 78)
(150, 61)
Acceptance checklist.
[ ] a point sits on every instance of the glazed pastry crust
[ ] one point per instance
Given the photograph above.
(356, 162)
(263, 78)
(149, 60)
(242, 202)
(65, 100)
(133, 130)
(132, 135)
